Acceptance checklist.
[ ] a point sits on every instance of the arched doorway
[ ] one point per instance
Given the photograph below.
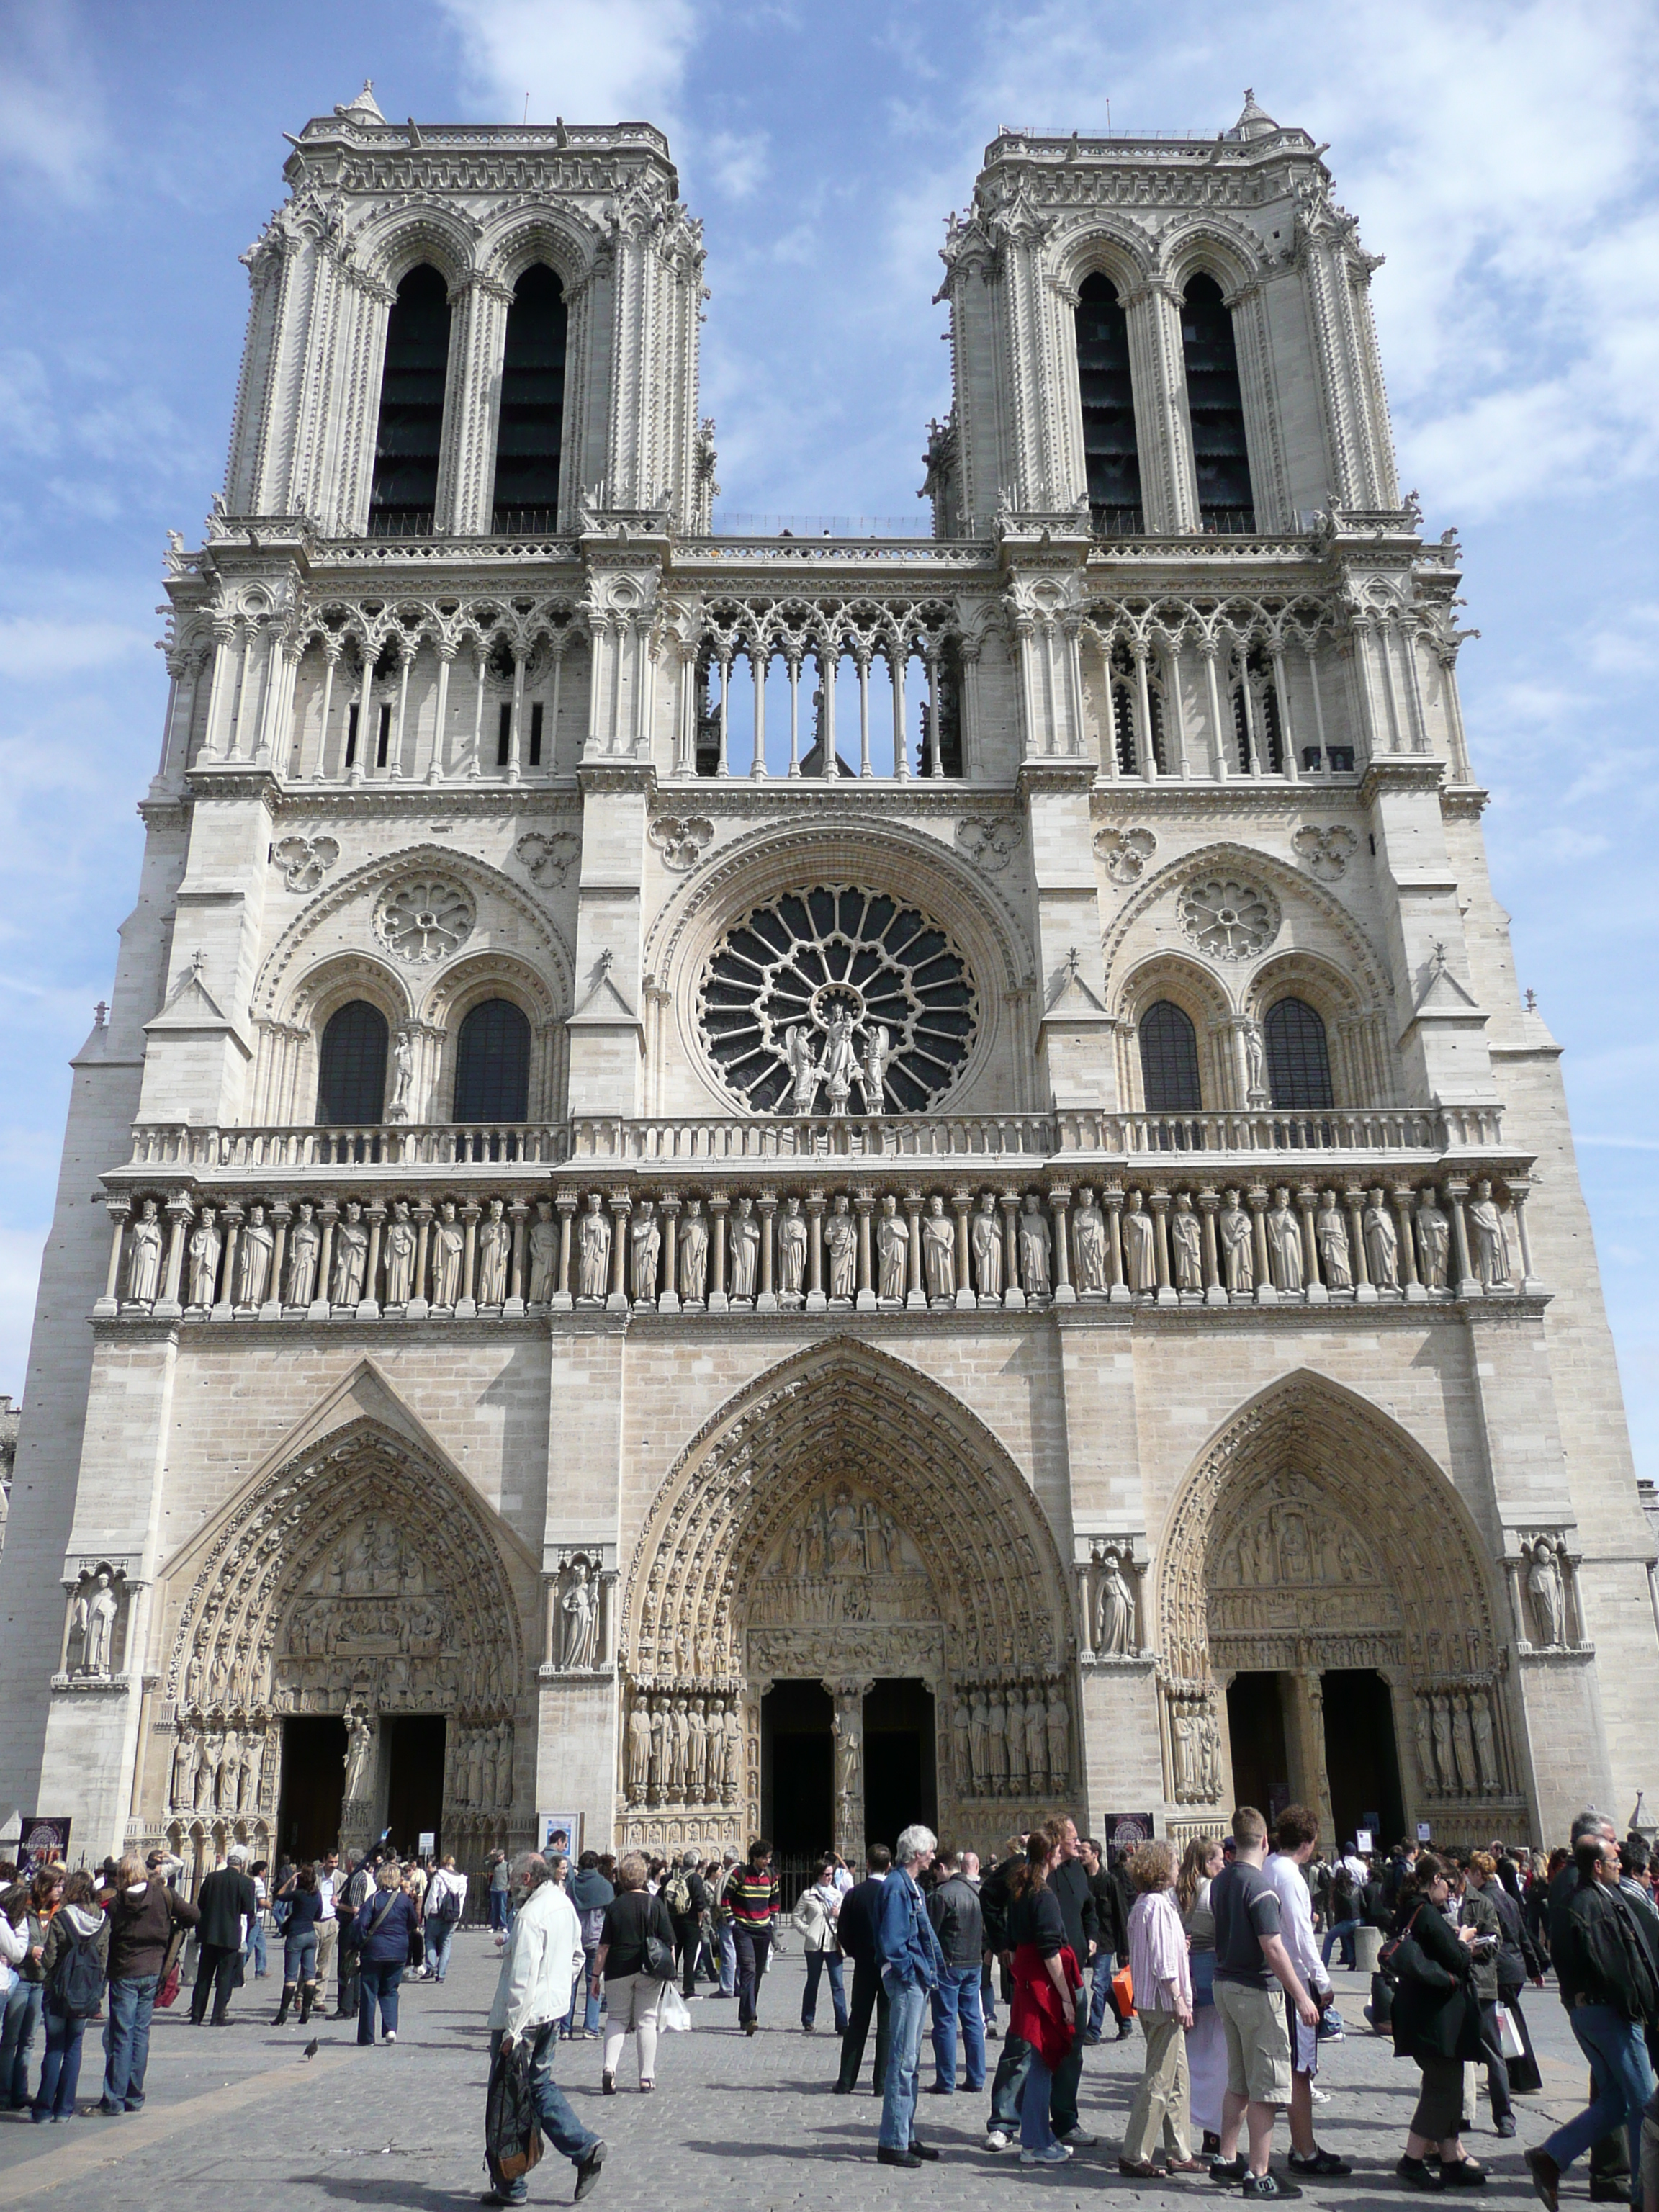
(847, 1526)
(1329, 1628)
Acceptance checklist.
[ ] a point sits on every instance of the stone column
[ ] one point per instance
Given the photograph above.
(1060, 1199)
(110, 1303)
(180, 1212)
(1520, 1190)
(1209, 1205)
(1082, 1574)
(281, 1214)
(1117, 1289)
(816, 1301)
(1318, 1295)
(915, 1295)
(327, 1214)
(1402, 1195)
(566, 1203)
(863, 1203)
(766, 1299)
(1256, 1200)
(1364, 1290)
(622, 1207)
(466, 1304)
(1159, 1202)
(369, 1306)
(1304, 1735)
(848, 1751)
(1468, 1283)
(961, 1202)
(418, 1306)
(518, 1213)
(223, 1303)
(668, 1299)
(1012, 1297)
(720, 1205)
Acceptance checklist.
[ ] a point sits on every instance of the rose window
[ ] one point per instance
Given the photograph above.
(1227, 919)
(424, 919)
(838, 1001)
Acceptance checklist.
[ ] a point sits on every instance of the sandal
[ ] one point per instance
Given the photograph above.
(1140, 2169)
(608, 2083)
(646, 2088)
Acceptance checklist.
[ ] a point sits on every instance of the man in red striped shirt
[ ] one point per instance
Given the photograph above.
(752, 1897)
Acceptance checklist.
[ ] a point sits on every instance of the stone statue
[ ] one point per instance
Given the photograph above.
(1381, 1244)
(1036, 1738)
(1140, 1246)
(205, 1245)
(1433, 1242)
(1426, 1744)
(95, 1618)
(692, 1251)
(1463, 1745)
(543, 1253)
(184, 1762)
(1331, 1234)
(644, 1253)
(350, 1257)
(985, 1239)
(1089, 1241)
(579, 1620)
(254, 1259)
(1545, 1590)
(892, 1252)
(1237, 1260)
(938, 1255)
(849, 1748)
(745, 1238)
(678, 1735)
(402, 1075)
(877, 1043)
(1187, 1245)
(359, 1753)
(697, 1754)
(996, 1762)
(1485, 1746)
(304, 1246)
(1283, 1244)
(961, 1766)
(495, 1246)
(792, 1251)
(1255, 1064)
(803, 1070)
(144, 1256)
(400, 1255)
(1490, 1253)
(841, 1240)
(1034, 1248)
(1115, 1610)
(979, 1739)
(1014, 1738)
(593, 1252)
(1058, 1724)
(731, 1771)
(1183, 1730)
(1209, 1745)
(841, 1065)
(1442, 1745)
(638, 1750)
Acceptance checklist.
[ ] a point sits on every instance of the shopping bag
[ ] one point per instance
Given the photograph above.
(673, 2013)
(1509, 2035)
(1123, 1992)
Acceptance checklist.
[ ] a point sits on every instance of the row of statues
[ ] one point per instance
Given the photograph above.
(684, 1750)
(1007, 1740)
(1195, 1753)
(1457, 1744)
(216, 1771)
(481, 1769)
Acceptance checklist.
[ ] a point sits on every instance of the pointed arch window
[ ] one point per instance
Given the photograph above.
(1111, 455)
(1215, 407)
(1298, 1057)
(1258, 727)
(412, 387)
(351, 1065)
(492, 1064)
(1138, 737)
(530, 433)
(1169, 1060)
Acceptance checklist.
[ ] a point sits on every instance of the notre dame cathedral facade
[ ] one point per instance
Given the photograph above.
(795, 1180)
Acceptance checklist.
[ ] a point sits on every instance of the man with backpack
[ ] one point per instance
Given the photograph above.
(1348, 1878)
(687, 1897)
(590, 1893)
(228, 1904)
(444, 1902)
(72, 1963)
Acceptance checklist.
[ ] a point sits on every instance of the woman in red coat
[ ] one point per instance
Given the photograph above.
(1047, 1980)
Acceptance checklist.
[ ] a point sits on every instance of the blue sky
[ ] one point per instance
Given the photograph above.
(1502, 157)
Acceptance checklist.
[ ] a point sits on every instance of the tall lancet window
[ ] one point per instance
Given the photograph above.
(411, 407)
(1108, 408)
(1215, 406)
(532, 427)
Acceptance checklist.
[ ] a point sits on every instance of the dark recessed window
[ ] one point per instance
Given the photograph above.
(1169, 1060)
(1215, 406)
(1110, 452)
(411, 407)
(351, 1075)
(492, 1064)
(531, 429)
(1298, 1061)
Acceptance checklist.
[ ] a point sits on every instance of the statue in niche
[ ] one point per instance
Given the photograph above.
(745, 1238)
(1187, 1245)
(1442, 1745)
(693, 1252)
(1381, 1244)
(892, 1252)
(1037, 1737)
(840, 1242)
(1255, 1064)
(183, 1766)
(1014, 1738)
(1331, 1234)
(677, 1734)
(1283, 1244)
(841, 1065)
(1546, 1593)
(1183, 1731)
(359, 1754)
(543, 1253)
(400, 1255)
(304, 1247)
(792, 1251)
(658, 1767)
(985, 1239)
(1237, 1260)
(1490, 1251)
(996, 1764)
(254, 1259)
(1426, 1743)
(1089, 1236)
(402, 1075)
(229, 1770)
(593, 1252)
(1209, 1751)
(644, 1253)
(877, 1048)
(979, 1738)
(1115, 1610)
(804, 1069)
(1057, 1724)
(697, 1754)
(495, 1242)
(207, 1767)
(638, 1750)
(732, 1773)
(579, 1620)
(350, 1257)
(206, 1246)
(1485, 1745)
(1034, 1248)
(1140, 1246)
(94, 1621)
(848, 1755)
(144, 1256)
(1433, 1242)
(1463, 1745)
(938, 1255)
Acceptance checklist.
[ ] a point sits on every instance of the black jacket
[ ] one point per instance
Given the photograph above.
(1436, 2014)
(1605, 1952)
(1111, 1930)
(223, 1898)
(993, 1902)
(860, 1914)
(958, 1923)
(1518, 1961)
(1069, 1880)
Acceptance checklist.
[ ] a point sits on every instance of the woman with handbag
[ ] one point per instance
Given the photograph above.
(384, 1922)
(1046, 1982)
(1161, 1965)
(1436, 2022)
(634, 1963)
(304, 1901)
(1207, 2038)
(144, 1916)
(1518, 1963)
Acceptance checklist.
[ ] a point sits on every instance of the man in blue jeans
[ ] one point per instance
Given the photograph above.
(953, 1907)
(532, 1995)
(1605, 1951)
(911, 1963)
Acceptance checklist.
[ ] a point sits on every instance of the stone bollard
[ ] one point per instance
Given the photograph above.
(1367, 1943)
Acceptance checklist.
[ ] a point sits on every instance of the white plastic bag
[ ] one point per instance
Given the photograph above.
(1509, 2035)
(672, 2014)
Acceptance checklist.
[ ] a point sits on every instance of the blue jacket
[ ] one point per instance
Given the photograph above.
(905, 1942)
(389, 1944)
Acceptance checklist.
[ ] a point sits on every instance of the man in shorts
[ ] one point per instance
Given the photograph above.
(1296, 1833)
(1252, 1965)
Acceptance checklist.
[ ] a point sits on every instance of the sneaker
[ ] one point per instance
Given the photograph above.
(998, 2140)
(1054, 2154)
(1325, 2162)
(1319, 2096)
(1230, 2169)
(1269, 2188)
(1081, 2139)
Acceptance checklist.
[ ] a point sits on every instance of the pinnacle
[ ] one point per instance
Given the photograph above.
(364, 108)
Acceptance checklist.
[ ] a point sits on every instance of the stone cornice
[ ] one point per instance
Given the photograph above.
(1052, 775)
(406, 802)
(1264, 803)
(1404, 772)
(617, 775)
(227, 780)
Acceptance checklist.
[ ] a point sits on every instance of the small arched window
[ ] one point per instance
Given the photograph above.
(351, 1074)
(1111, 455)
(1215, 407)
(1169, 1060)
(1298, 1060)
(492, 1064)
(531, 430)
(412, 386)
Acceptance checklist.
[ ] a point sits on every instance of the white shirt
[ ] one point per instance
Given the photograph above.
(1358, 1868)
(14, 1942)
(543, 1957)
(444, 1881)
(328, 1886)
(1295, 1917)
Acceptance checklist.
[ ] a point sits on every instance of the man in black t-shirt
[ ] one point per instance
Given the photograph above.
(1251, 1965)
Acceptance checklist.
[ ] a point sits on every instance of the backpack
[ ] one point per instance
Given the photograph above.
(449, 1904)
(75, 1987)
(1342, 1894)
(679, 1897)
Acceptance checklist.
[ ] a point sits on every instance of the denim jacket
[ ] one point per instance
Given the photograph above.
(905, 1941)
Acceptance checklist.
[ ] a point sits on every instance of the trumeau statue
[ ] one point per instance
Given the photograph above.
(144, 1257)
(593, 1251)
(359, 1753)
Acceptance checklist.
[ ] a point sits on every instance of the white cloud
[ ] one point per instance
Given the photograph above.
(590, 60)
(736, 163)
(51, 111)
(42, 646)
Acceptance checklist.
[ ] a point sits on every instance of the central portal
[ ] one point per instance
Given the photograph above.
(900, 1769)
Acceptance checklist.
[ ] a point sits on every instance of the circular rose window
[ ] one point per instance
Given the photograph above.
(1230, 920)
(838, 1001)
(424, 919)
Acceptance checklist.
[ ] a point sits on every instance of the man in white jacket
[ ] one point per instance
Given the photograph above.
(543, 1953)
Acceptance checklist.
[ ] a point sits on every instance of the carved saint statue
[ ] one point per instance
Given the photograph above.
(350, 1257)
(1255, 1067)
(1183, 1730)
(402, 1075)
(579, 1620)
(1140, 1246)
(644, 1253)
(792, 1250)
(254, 1259)
(359, 1753)
(1331, 1234)
(841, 1241)
(803, 1070)
(1545, 1589)
(638, 1750)
(1034, 1249)
(1488, 1249)
(184, 1764)
(1014, 1738)
(1037, 1737)
(731, 1769)
(986, 1238)
(938, 1255)
(1089, 1241)
(304, 1246)
(96, 1609)
(1114, 1609)
(205, 1245)
(1433, 1242)
(678, 1736)
(1426, 1744)
(841, 1065)
(745, 1238)
(1485, 1747)
(1283, 1244)
(543, 1253)
(1187, 1245)
(696, 1755)
(1442, 1745)
(979, 1739)
(494, 1243)
(849, 1747)
(400, 1255)
(144, 1256)
(892, 1252)
(693, 1252)
(877, 1045)
(1058, 1724)
(996, 1742)
(1237, 1260)
(1381, 1243)
(1463, 1745)
(593, 1252)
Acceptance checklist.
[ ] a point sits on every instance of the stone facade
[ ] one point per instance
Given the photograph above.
(844, 1296)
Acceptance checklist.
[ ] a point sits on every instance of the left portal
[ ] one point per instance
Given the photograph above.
(313, 1784)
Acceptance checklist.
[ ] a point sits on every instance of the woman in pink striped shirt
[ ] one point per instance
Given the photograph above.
(1163, 2000)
